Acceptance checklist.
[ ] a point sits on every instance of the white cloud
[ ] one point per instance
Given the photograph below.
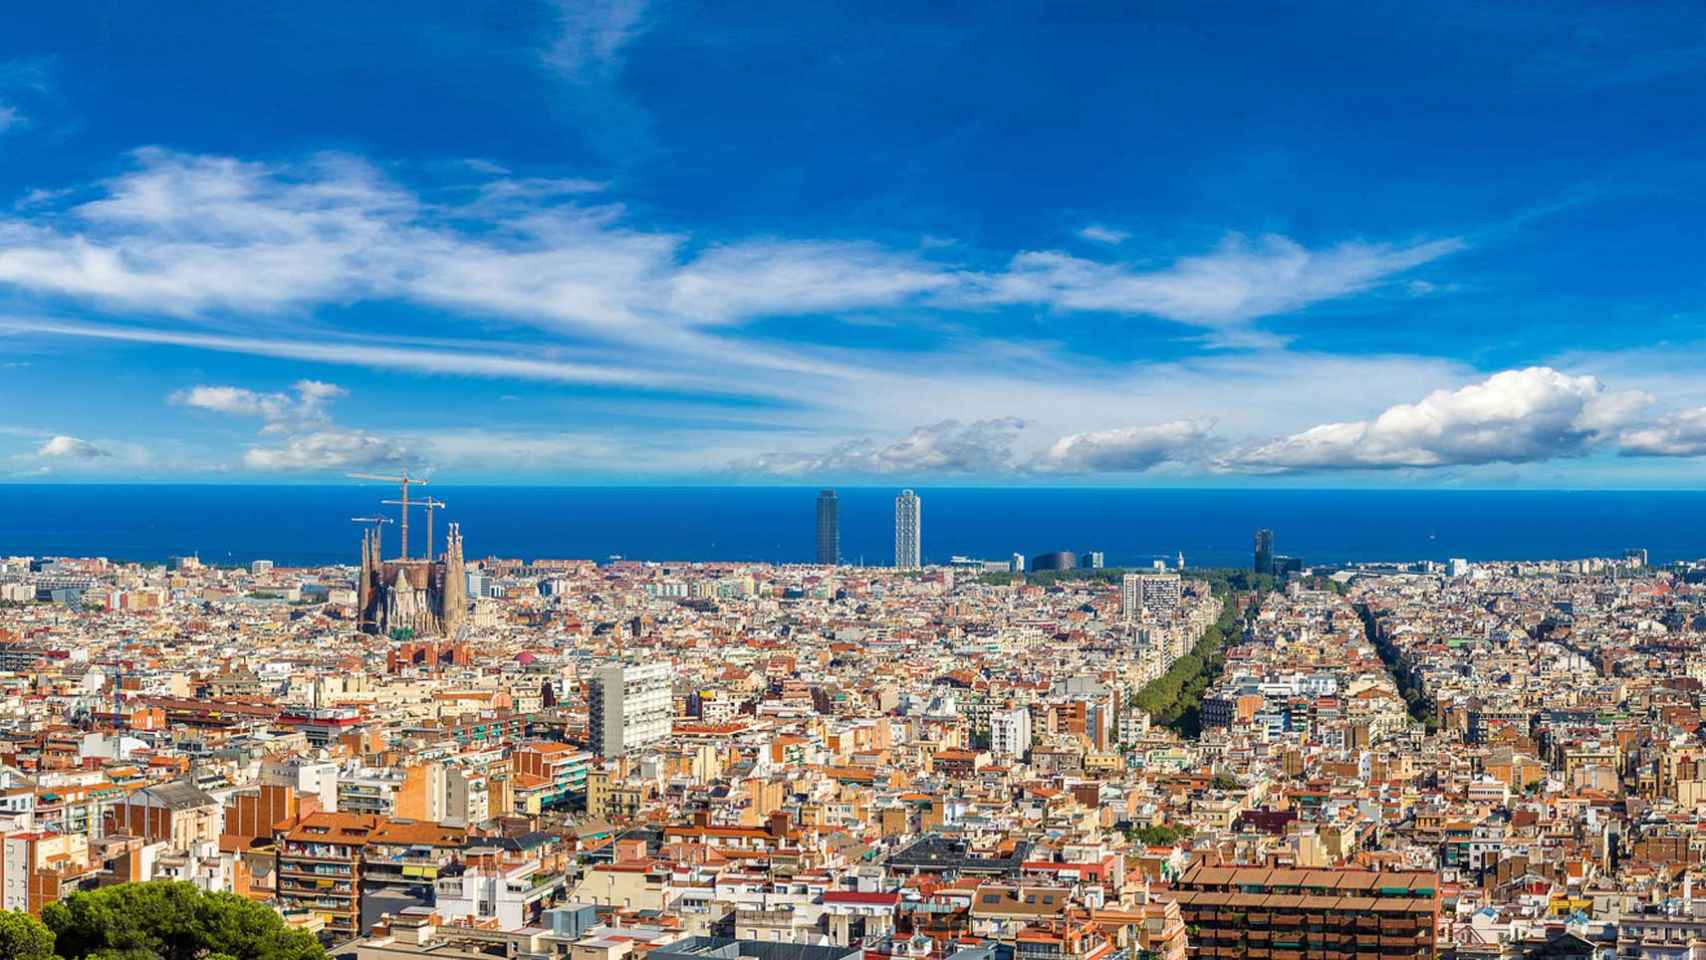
(217, 252)
(1681, 433)
(70, 448)
(1236, 283)
(1517, 416)
(308, 440)
(778, 277)
(333, 449)
(1097, 233)
(1125, 449)
(533, 189)
(191, 235)
(466, 360)
(592, 34)
(9, 117)
(948, 446)
(281, 411)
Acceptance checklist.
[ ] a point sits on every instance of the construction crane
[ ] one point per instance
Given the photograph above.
(430, 505)
(404, 480)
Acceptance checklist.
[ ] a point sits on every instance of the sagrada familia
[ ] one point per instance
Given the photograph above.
(427, 597)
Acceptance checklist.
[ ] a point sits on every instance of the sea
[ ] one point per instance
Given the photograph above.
(303, 525)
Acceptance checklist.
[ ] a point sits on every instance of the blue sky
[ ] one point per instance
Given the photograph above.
(1176, 244)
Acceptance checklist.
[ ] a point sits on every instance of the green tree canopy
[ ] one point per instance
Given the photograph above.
(171, 921)
(23, 937)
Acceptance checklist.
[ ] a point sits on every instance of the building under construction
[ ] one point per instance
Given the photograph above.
(425, 596)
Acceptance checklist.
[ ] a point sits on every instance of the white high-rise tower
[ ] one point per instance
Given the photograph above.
(908, 530)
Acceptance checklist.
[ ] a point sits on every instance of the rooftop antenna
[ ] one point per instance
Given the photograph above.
(404, 481)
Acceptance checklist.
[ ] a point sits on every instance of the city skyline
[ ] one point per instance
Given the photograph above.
(1184, 247)
(1385, 316)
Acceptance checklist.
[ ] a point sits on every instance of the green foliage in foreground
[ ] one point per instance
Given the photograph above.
(1174, 699)
(168, 920)
(23, 937)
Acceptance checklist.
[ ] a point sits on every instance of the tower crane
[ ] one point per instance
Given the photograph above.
(404, 480)
(430, 504)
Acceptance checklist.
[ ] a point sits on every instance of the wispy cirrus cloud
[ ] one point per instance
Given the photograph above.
(1097, 233)
(769, 277)
(187, 235)
(591, 35)
(25, 79)
(470, 359)
(1240, 281)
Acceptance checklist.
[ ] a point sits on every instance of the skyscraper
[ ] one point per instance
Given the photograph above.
(828, 529)
(908, 530)
(1264, 551)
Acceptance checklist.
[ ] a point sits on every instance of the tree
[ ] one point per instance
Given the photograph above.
(23, 937)
(172, 921)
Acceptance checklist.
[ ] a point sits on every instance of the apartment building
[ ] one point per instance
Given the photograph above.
(629, 706)
(1265, 914)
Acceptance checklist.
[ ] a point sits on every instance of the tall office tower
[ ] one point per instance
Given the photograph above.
(1091, 559)
(1264, 551)
(628, 707)
(1150, 594)
(1017, 564)
(828, 529)
(908, 530)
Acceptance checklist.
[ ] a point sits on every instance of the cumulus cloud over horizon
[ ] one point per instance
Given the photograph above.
(1515, 416)
(1126, 449)
(71, 448)
(947, 446)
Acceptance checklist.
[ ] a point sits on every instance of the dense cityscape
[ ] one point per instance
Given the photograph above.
(423, 754)
(879, 480)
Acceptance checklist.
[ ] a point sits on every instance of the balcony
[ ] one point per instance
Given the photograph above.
(315, 870)
(300, 891)
(321, 853)
(409, 860)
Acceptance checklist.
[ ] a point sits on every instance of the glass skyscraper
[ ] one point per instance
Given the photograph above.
(828, 529)
(908, 530)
